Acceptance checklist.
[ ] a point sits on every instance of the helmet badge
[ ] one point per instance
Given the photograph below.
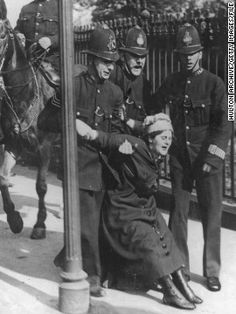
(187, 39)
(111, 43)
(140, 40)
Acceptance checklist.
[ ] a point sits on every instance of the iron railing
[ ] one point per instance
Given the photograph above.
(161, 61)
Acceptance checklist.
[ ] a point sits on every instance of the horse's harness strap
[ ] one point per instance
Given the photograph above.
(34, 101)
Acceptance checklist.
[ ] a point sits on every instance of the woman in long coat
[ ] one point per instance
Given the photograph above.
(133, 224)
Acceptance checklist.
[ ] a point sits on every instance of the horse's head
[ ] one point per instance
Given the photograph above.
(13, 53)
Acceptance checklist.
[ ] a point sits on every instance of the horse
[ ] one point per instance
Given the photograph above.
(24, 95)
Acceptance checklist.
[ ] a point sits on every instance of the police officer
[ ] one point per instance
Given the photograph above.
(128, 75)
(38, 23)
(198, 109)
(97, 103)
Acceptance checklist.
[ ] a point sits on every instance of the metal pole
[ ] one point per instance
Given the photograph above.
(74, 290)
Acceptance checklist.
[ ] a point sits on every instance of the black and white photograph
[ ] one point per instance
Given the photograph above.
(117, 157)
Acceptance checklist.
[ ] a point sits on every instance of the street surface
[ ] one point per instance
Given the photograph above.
(29, 280)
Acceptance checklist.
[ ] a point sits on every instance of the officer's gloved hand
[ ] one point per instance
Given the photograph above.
(85, 131)
(126, 148)
(21, 38)
(45, 42)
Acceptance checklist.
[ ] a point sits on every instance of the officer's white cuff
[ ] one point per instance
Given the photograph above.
(215, 150)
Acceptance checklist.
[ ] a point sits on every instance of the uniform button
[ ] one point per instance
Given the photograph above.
(170, 102)
(187, 127)
(188, 81)
(188, 143)
(96, 124)
(36, 34)
(186, 111)
(203, 105)
(38, 14)
(98, 91)
(167, 253)
(139, 107)
(161, 238)
(40, 4)
(164, 246)
(37, 23)
(186, 96)
(110, 115)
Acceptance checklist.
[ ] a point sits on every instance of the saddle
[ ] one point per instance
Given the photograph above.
(50, 74)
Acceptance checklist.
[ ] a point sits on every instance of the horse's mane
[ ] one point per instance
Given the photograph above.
(3, 10)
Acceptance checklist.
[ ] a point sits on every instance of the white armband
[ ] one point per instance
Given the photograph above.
(215, 150)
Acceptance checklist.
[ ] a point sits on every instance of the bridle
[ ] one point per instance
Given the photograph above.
(17, 126)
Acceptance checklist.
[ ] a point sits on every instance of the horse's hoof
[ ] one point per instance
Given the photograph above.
(15, 222)
(38, 233)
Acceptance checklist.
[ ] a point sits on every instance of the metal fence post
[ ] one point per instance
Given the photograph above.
(74, 290)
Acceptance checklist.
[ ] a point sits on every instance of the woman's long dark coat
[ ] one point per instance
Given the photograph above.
(132, 221)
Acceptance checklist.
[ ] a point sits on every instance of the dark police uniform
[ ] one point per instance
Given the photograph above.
(137, 93)
(136, 89)
(97, 104)
(39, 19)
(132, 222)
(198, 110)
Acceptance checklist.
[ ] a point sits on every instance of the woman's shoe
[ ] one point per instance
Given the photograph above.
(181, 283)
(172, 296)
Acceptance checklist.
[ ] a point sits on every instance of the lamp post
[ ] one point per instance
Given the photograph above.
(74, 290)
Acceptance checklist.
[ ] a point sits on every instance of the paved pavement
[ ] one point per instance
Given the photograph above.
(29, 281)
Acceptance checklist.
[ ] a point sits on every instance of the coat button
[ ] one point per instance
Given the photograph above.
(187, 127)
(161, 238)
(96, 124)
(164, 246)
(188, 143)
(186, 96)
(186, 111)
(203, 105)
(188, 81)
(167, 253)
(98, 91)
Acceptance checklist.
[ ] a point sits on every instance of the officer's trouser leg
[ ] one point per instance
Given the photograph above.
(209, 191)
(90, 207)
(178, 222)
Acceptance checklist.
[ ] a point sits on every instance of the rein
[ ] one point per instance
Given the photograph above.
(34, 102)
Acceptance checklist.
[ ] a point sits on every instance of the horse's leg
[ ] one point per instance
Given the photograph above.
(39, 230)
(13, 217)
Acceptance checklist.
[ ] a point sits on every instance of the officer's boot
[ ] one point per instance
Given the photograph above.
(181, 283)
(172, 296)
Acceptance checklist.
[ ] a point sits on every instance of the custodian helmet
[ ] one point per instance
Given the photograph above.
(136, 42)
(102, 44)
(188, 40)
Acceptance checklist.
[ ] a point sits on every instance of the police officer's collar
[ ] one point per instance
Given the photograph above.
(92, 76)
(127, 72)
(195, 73)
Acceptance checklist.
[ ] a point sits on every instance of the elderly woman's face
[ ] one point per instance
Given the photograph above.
(161, 142)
